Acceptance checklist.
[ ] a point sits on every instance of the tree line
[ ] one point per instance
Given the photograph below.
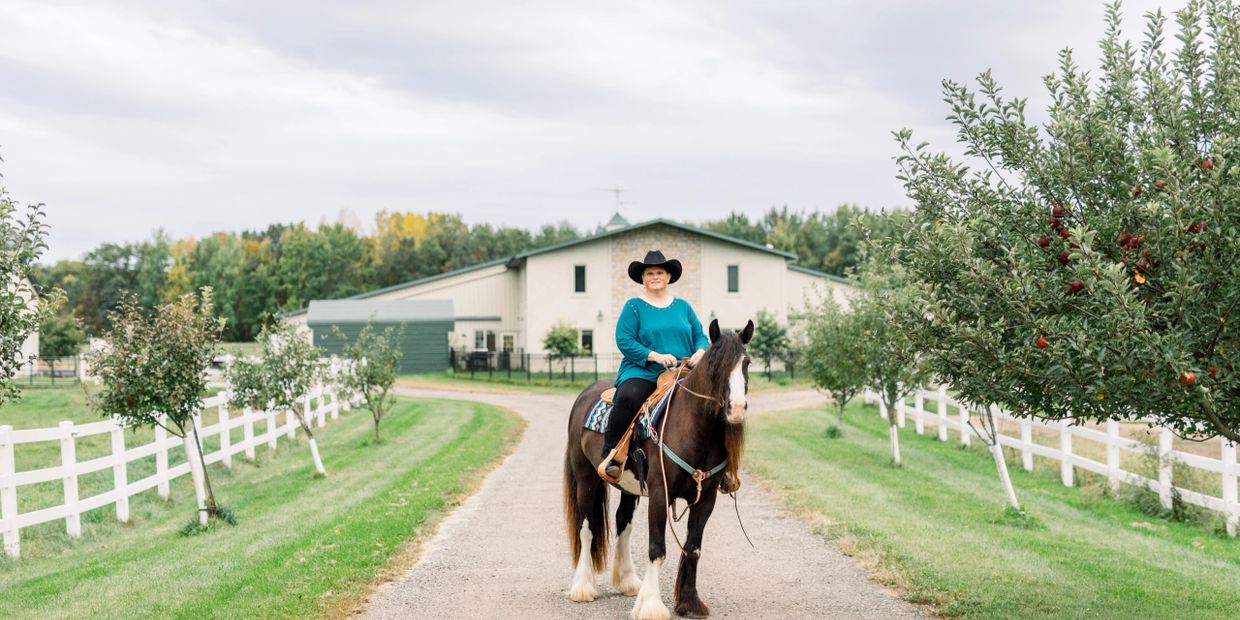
(255, 274)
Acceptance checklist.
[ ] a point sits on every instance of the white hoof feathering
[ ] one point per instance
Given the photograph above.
(583, 578)
(623, 575)
(649, 604)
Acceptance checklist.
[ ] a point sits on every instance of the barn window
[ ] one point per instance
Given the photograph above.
(579, 278)
(587, 340)
(734, 277)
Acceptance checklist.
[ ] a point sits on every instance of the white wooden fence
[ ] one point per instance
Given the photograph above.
(948, 423)
(326, 404)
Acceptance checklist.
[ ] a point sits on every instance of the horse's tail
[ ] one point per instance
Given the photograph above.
(599, 527)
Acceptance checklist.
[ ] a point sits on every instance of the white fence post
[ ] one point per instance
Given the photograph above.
(1065, 453)
(964, 424)
(1026, 443)
(882, 409)
(272, 431)
(919, 407)
(247, 414)
(120, 474)
(161, 458)
(943, 413)
(1164, 467)
(68, 461)
(316, 413)
(225, 434)
(8, 495)
(290, 420)
(1230, 509)
(1113, 454)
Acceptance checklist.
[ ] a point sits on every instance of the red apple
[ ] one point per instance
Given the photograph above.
(1206, 164)
(1065, 233)
(1124, 238)
(1044, 241)
(1213, 370)
(1188, 378)
(1136, 193)
(1063, 257)
(1160, 185)
(1041, 342)
(1057, 211)
(1075, 287)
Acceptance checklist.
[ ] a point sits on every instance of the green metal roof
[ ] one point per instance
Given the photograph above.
(361, 311)
(822, 274)
(516, 259)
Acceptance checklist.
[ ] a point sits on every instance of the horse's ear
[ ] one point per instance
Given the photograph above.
(747, 333)
(713, 332)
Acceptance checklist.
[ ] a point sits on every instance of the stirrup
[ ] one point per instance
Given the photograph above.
(609, 463)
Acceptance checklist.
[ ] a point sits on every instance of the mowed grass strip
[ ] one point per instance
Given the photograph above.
(303, 547)
(936, 528)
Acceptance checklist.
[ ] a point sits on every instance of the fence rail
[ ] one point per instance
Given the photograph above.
(1115, 446)
(326, 403)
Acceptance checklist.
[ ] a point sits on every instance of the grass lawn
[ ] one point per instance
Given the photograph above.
(302, 547)
(936, 530)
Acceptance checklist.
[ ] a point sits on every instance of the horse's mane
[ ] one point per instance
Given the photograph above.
(720, 358)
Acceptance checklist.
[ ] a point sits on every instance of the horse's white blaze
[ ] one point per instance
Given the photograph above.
(623, 574)
(583, 579)
(736, 393)
(649, 604)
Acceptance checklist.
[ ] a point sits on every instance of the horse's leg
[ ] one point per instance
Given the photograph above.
(623, 575)
(649, 604)
(687, 601)
(589, 522)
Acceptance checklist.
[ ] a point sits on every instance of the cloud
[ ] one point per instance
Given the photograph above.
(197, 117)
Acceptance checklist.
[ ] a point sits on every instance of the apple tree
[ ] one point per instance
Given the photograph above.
(154, 373)
(371, 372)
(279, 378)
(835, 355)
(22, 242)
(1086, 267)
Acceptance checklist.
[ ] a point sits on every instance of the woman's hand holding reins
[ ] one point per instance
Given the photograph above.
(666, 360)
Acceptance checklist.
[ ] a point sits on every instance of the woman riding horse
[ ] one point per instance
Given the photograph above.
(694, 454)
(655, 330)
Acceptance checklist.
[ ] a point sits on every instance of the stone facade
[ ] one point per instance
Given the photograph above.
(674, 243)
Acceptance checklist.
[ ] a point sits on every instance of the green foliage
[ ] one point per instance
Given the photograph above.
(835, 356)
(22, 241)
(829, 242)
(60, 336)
(770, 339)
(282, 374)
(372, 371)
(888, 314)
(156, 365)
(561, 340)
(1135, 186)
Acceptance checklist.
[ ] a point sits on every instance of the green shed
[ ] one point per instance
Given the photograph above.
(422, 326)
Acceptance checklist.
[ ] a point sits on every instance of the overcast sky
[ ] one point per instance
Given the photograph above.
(125, 117)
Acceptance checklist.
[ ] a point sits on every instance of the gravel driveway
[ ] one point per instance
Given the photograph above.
(504, 553)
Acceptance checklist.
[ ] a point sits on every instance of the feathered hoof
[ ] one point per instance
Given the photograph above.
(628, 586)
(650, 608)
(582, 593)
(692, 609)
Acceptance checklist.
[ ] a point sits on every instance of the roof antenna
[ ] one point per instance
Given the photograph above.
(617, 190)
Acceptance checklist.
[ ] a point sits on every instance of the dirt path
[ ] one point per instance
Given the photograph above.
(504, 553)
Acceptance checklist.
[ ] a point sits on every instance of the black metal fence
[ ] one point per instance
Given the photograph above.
(50, 371)
(521, 365)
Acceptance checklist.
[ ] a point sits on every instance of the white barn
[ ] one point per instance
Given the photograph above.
(510, 304)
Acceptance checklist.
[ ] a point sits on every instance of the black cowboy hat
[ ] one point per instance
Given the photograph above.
(655, 258)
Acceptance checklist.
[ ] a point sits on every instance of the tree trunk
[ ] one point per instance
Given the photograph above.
(314, 446)
(840, 422)
(997, 451)
(895, 436)
(377, 429)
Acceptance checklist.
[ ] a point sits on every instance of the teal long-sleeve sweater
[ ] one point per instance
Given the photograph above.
(643, 328)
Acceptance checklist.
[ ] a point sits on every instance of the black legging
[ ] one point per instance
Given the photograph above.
(630, 396)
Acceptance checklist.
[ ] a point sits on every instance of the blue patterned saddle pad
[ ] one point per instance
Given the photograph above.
(596, 420)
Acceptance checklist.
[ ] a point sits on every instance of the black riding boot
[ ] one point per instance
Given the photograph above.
(628, 399)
